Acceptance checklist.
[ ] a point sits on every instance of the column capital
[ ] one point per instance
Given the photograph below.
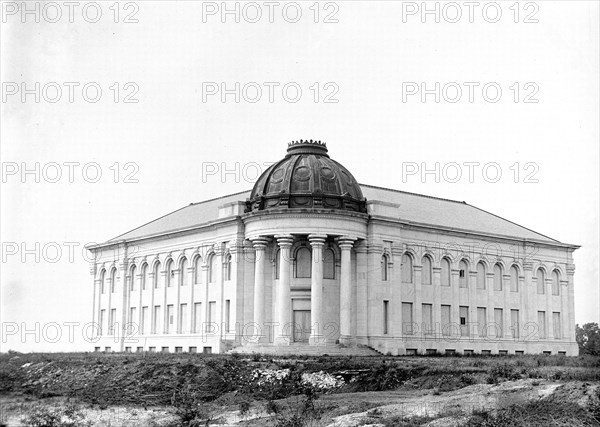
(528, 266)
(345, 242)
(570, 269)
(284, 240)
(260, 242)
(317, 239)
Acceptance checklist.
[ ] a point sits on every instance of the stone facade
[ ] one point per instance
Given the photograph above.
(398, 272)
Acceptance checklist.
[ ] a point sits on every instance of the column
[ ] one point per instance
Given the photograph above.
(454, 331)
(418, 299)
(190, 302)
(549, 308)
(361, 293)
(345, 244)
(491, 305)
(284, 302)
(317, 241)
(124, 305)
(472, 291)
(260, 259)
(570, 331)
(396, 292)
(506, 306)
(437, 305)
(529, 316)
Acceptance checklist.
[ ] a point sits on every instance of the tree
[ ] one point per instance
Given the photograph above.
(588, 338)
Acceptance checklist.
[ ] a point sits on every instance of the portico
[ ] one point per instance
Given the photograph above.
(291, 294)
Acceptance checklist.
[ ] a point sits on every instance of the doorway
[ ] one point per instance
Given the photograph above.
(301, 328)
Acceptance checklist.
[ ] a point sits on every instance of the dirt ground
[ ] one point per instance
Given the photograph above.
(341, 410)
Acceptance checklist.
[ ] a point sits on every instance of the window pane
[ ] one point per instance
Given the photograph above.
(407, 269)
(426, 271)
(480, 276)
(541, 285)
(514, 279)
(303, 263)
(445, 272)
(497, 278)
(328, 264)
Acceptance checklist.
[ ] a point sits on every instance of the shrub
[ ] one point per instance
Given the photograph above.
(68, 416)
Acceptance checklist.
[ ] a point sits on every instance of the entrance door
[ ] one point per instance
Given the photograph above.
(301, 325)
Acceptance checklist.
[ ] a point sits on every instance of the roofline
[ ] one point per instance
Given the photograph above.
(412, 194)
(117, 239)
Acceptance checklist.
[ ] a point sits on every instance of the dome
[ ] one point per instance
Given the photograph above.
(306, 178)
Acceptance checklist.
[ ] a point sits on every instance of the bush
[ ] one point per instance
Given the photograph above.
(539, 413)
(68, 416)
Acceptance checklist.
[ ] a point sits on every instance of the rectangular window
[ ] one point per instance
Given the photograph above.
(556, 325)
(499, 324)
(101, 320)
(111, 321)
(385, 318)
(407, 318)
(446, 329)
(139, 349)
(482, 321)
(164, 349)
(514, 320)
(152, 349)
(170, 319)
(197, 317)
(212, 317)
(144, 321)
(542, 324)
(178, 349)
(193, 349)
(227, 314)
(183, 323)
(427, 314)
(463, 313)
(156, 319)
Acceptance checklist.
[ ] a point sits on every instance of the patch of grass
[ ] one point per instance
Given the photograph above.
(540, 413)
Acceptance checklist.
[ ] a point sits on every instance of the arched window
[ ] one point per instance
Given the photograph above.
(445, 264)
(113, 280)
(132, 279)
(103, 282)
(555, 283)
(169, 274)
(541, 281)
(497, 277)
(426, 272)
(480, 275)
(276, 263)
(198, 270)
(303, 261)
(227, 267)
(462, 274)
(407, 269)
(156, 273)
(212, 269)
(328, 264)
(384, 267)
(144, 276)
(514, 279)
(183, 273)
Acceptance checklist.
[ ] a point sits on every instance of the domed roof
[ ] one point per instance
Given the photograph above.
(306, 178)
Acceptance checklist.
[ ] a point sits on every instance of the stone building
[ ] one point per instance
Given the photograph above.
(311, 261)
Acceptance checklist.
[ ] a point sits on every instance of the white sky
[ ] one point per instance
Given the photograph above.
(170, 133)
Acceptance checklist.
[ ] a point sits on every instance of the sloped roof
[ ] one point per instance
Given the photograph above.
(427, 210)
(413, 208)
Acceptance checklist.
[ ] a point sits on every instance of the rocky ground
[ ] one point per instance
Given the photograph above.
(188, 390)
